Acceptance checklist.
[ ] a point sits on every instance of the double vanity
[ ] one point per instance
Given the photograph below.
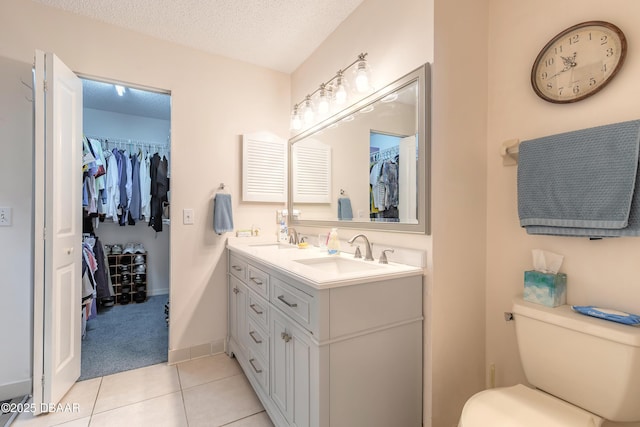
(326, 340)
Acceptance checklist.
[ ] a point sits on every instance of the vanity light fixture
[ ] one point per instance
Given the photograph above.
(334, 92)
(296, 120)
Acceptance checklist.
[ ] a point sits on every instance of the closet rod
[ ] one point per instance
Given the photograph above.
(105, 139)
(386, 154)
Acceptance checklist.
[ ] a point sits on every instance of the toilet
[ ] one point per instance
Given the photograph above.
(586, 371)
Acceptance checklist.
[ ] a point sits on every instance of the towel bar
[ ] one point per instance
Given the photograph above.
(509, 152)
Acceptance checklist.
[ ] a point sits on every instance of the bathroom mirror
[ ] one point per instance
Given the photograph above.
(368, 166)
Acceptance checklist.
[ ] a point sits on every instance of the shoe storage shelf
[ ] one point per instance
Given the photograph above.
(129, 277)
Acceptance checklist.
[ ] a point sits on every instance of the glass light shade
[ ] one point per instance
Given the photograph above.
(323, 102)
(296, 121)
(340, 90)
(308, 113)
(362, 77)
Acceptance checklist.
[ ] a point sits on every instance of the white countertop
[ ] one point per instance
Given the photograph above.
(319, 276)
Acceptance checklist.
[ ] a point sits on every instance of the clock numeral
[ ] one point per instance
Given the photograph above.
(609, 52)
(549, 85)
(558, 49)
(560, 89)
(574, 39)
(543, 75)
(549, 62)
(592, 81)
(604, 68)
(604, 40)
(576, 89)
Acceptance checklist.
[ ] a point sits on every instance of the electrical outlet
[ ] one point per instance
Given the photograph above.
(5, 217)
(187, 216)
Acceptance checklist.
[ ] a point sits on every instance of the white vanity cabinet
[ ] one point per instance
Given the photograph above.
(331, 355)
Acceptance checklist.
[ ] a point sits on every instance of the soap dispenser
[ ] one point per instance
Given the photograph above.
(333, 245)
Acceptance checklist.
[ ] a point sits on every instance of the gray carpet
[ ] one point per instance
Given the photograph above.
(125, 337)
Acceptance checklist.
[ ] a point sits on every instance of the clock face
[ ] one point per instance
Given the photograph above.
(578, 62)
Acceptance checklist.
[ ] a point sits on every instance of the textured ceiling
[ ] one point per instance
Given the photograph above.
(277, 34)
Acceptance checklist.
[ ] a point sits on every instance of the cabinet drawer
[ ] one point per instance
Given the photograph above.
(238, 267)
(258, 369)
(257, 339)
(300, 306)
(258, 280)
(258, 309)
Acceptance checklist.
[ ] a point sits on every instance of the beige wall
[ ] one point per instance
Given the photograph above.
(603, 272)
(214, 101)
(400, 37)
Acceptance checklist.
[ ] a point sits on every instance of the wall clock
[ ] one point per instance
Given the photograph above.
(578, 62)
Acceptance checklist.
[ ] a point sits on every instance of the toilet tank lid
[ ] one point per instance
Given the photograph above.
(564, 316)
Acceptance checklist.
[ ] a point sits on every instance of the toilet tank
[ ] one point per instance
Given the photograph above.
(592, 363)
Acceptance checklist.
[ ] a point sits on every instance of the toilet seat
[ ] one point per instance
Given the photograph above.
(521, 406)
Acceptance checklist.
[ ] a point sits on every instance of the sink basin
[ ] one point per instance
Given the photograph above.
(275, 245)
(339, 265)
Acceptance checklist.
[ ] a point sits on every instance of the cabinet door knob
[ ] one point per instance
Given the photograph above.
(235, 290)
(285, 336)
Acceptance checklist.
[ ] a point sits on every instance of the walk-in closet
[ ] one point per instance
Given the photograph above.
(126, 227)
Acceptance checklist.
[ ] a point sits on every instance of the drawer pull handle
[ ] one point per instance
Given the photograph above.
(256, 340)
(285, 336)
(236, 267)
(258, 371)
(256, 281)
(235, 290)
(253, 307)
(292, 305)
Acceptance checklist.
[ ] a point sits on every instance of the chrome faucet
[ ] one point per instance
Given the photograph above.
(368, 256)
(293, 236)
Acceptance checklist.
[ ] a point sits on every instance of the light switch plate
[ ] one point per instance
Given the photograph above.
(187, 216)
(5, 217)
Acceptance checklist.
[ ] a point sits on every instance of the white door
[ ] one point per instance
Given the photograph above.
(58, 230)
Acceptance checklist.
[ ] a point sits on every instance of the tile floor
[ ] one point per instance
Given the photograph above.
(211, 391)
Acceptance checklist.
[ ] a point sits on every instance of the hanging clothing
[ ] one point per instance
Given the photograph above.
(134, 205)
(145, 188)
(112, 188)
(159, 190)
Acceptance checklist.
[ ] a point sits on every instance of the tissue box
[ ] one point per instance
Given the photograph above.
(544, 288)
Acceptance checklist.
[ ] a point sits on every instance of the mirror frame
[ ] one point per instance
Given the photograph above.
(423, 76)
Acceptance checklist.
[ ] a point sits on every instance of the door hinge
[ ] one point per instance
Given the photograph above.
(42, 380)
(44, 85)
(44, 233)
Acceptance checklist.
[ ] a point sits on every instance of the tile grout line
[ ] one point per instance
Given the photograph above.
(216, 380)
(95, 402)
(244, 418)
(184, 406)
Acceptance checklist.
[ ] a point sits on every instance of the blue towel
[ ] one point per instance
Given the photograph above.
(222, 216)
(344, 208)
(581, 183)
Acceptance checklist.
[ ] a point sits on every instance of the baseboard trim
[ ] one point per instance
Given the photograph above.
(15, 389)
(155, 292)
(195, 352)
